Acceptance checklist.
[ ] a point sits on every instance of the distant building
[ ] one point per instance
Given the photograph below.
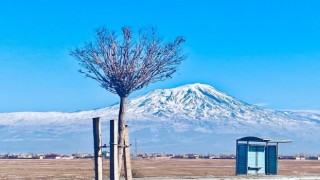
(180, 156)
(105, 154)
(193, 156)
(170, 155)
(287, 157)
(300, 158)
(52, 156)
(40, 156)
(314, 158)
(66, 157)
(207, 157)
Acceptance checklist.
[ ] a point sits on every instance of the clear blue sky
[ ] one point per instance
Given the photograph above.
(262, 52)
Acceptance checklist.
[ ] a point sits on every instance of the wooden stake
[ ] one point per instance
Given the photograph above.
(126, 152)
(97, 148)
(114, 171)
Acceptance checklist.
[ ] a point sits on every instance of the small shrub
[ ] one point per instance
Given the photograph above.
(137, 173)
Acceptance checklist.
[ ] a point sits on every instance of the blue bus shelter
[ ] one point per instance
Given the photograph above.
(257, 156)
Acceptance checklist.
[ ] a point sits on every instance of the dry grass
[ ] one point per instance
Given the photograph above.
(83, 169)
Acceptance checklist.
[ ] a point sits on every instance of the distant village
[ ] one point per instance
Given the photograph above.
(141, 156)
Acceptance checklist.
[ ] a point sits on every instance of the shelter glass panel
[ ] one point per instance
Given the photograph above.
(256, 159)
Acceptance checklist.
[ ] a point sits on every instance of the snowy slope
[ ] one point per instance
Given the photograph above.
(190, 118)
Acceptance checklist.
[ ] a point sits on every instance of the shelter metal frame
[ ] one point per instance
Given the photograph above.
(267, 141)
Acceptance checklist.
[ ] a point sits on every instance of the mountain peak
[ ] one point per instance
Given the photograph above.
(199, 101)
(203, 92)
(195, 86)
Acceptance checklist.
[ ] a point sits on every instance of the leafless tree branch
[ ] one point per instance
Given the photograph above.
(123, 65)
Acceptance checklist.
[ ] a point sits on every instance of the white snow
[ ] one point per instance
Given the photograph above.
(194, 111)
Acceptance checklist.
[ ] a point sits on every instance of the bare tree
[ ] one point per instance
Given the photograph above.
(128, 63)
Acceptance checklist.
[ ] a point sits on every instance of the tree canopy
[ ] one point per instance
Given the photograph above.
(128, 63)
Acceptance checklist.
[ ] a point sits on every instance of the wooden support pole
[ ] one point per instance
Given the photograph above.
(114, 171)
(97, 148)
(247, 157)
(126, 152)
(135, 147)
(277, 156)
(237, 158)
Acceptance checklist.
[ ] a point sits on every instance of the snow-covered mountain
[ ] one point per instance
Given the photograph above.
(190, 118)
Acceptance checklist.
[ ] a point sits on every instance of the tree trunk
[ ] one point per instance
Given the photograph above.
(121, 129)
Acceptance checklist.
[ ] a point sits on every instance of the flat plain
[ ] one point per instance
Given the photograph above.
(174, 168)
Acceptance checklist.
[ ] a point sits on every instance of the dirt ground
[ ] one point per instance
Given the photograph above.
(178, 168)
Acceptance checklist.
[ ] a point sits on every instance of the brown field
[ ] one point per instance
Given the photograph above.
(178, 168)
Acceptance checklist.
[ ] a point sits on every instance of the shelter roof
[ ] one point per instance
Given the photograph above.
(267, 140)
